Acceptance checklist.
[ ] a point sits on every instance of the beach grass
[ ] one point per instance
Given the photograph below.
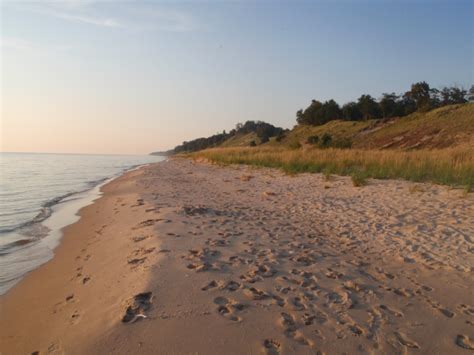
(450, 166)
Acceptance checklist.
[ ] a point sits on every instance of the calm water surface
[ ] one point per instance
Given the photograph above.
(39, 195)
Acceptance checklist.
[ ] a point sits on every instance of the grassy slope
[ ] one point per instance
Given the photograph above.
(240, 140)
(414, 153)
(444, 127)
(441, 128)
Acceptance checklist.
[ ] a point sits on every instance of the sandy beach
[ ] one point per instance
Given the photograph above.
(187, 257)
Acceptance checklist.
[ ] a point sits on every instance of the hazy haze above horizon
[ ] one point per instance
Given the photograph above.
(131, 77)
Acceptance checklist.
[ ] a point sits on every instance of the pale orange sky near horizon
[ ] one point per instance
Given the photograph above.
(94, 76)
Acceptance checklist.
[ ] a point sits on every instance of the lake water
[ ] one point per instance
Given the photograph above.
(42, 193)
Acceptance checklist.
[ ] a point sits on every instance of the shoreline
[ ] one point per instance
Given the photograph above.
(63, 211)
(57, 274)
(238, 260)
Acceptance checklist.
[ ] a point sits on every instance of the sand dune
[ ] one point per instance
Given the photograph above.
(184, 257)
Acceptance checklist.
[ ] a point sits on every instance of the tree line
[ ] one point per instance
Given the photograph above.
(263, 130)
(420, 97)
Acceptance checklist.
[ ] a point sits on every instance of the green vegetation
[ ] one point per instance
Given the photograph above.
(247, 132)
(422, 135)
(440, 128)
(451, 166)
(358, 178)
(419, 98)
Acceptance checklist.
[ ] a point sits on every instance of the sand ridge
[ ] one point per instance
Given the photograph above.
(238, 260)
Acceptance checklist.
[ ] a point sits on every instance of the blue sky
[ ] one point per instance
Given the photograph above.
(133, 76)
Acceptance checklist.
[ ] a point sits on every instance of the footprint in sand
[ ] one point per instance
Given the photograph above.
(199, 267)
(139, 238)
(70, 298)
(404, 340)
(297, 305)
(288, 323)
(210, 285)
(465, 342)
(392, 311)
(468, 310)
(75, 317)
(271, 347)
(226, 308)
(255, 293)
(231, 286)
(136, 261)
(137, 306)
(356, 330)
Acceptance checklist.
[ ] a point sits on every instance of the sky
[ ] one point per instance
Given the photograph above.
(131, 77)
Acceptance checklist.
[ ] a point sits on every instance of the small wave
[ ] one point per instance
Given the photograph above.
(7, 248)
(47, 207)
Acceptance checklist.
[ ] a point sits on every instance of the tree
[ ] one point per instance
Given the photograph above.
(351, 112)
(329, 111)
(311, 112)
(389, 105)
(453, 95)
(407, 105)
(300, 117)
(368, 107)
(470, 95)
(420, 93)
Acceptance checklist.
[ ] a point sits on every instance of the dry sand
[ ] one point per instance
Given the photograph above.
(201, 259)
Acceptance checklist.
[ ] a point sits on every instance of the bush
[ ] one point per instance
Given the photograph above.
(358, 178)
(312, 140)
(326, 140)
(253, 144)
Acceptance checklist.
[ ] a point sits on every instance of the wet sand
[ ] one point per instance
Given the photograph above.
(184, 257)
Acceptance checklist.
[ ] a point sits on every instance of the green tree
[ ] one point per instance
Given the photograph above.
(368, 107)
(389, 105)
(470, 94)
(329, 111)
(351, 112)
(420, 92)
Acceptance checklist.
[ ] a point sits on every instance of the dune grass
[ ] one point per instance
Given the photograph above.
(450, 166)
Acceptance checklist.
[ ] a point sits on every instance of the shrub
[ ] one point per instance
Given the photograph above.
(326, 140)
(253, 144)
(358, 178)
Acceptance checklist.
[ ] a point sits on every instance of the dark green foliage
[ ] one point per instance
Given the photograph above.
(421, 94)
(351, 112)
(369, 107)
(470, 94)
(390, 106)
(326, 140)
(263, 130)
(253, 144)
(318, 113)
(453, 95)
(420, 97)
(312, 140)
